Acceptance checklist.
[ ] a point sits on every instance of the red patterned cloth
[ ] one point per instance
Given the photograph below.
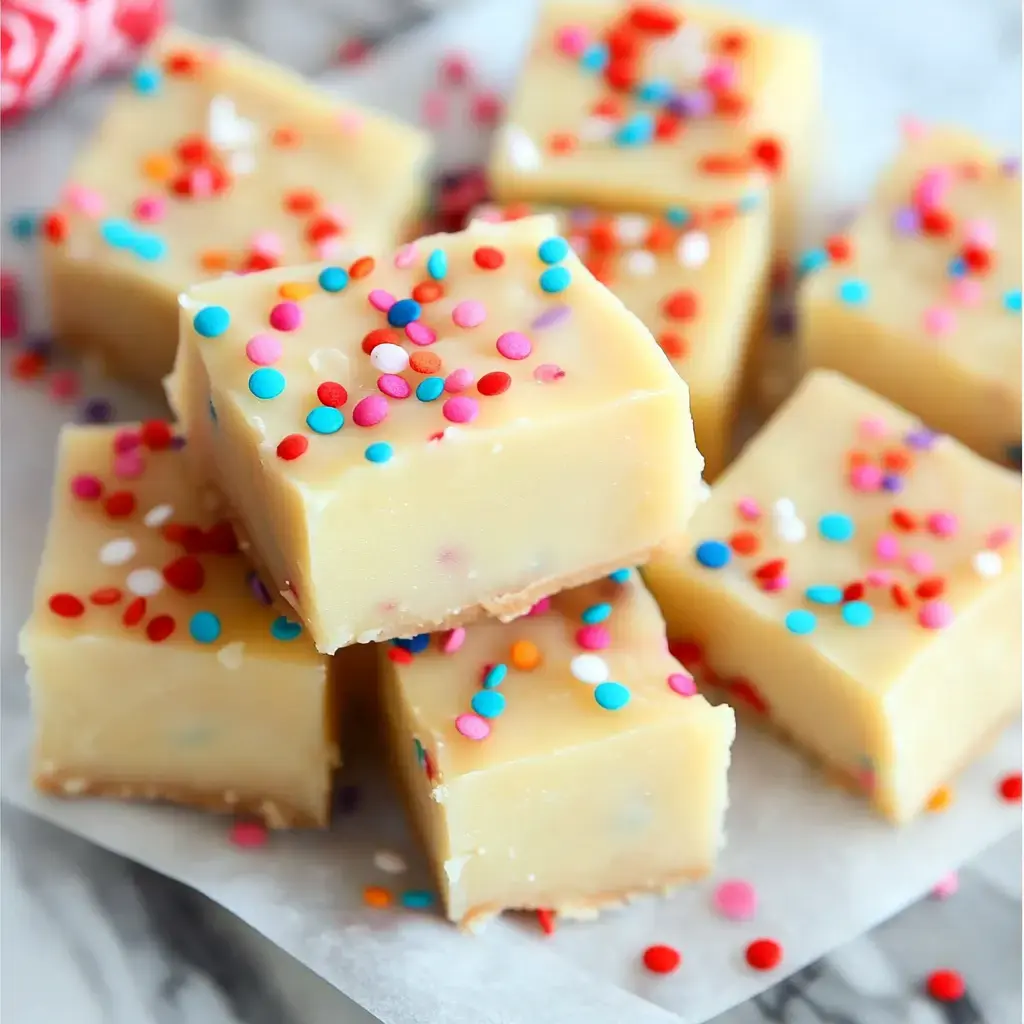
(48, 45)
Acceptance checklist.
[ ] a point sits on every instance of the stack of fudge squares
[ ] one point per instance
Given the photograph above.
(471, 454)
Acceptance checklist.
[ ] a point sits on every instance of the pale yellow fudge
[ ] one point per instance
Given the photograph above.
(211, 161)
(699, 289)
(561, 762)
(653, 106)
(452, 431)
(158, 667)
(921, 300)
(855, 579)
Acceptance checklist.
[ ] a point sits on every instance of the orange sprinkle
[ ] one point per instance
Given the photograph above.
(157, 167)
(731, 104)
(731, 43)
(857, 458)
(610, 106)
(897, 460)
(838, 248)
(724, 163)
(525, 655)
(900, 595)
(929, 589)
(745, 542)
(562, 142)
(428, 291)
(516, 211)
(425, 362)
(660, 237)
(904, 520)
(182, 62)
(940, 799)
(602, 235)
(376, 896)
(302, 200)
(600, 265)
(296, 290)
(673, 344)
(286, 137)
(214, 260)
(362, 267)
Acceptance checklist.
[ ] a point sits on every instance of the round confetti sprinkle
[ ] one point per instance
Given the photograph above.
(836, 526)
(263, 349)
(945, 986)
(389, 358)
(460, 409)
(736, 900)
(713, 554)
(1010, 787)
(429, 389)
(935, 615)
(620, 575)
(282, 628)
(211, 321)
(437, 264)
(553, 250)
(946, 886)
(764, 954)
(332, 279)
(204, 627)
(555, 280)
(420, 334)
(67, 606)
(824, 595)
(381, 300)
(248, 834)
(425, 362)
(497, 382)
(117, 552)
(379, 452)
(86, 487)
(185, 574)
(589, 668)
(858, 614)
(135, 612)
(596, 613)
(325, 419)
(453, 640)
(548, 372)
(853, 292)
(488, 703)
(376, 897)
(801, 622)
(403, 312)
(611, 696)
(488, 258)
(393, 386)
(292, 446)
(266, 383)
(495, 676)
(417, 899)
(551, 317)
(940, 800)
(472, 726)
(682, 683)
(144, 582)
(390, 863)
(160, 628)
(332, 394)
(469, 313)
(593, 638)
(524, 655)
(370, 411)
(513, 345)
(661, 959)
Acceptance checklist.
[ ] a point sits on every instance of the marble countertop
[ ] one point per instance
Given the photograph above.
(92, 938)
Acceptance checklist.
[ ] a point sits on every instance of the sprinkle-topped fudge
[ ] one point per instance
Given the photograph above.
(655, 107)
(855, 578)
(158, 668)
(454, 431)
(921, 300)
(700, 290)
(213, 161)
(572, 721)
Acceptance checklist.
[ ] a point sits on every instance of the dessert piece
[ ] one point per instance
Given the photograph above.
(921, 300)
(653, 106)
(855, 578)
(700, 290)
(459, 430)
(572, 721)
(213, 161)
(158, 668)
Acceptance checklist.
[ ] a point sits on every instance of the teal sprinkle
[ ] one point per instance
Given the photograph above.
(837, 527)
(824, 595)
(801, 622)
(611, 696)
(437, 265)
(325, 419)
(553, 250)
(117, 233)
(854, 292)
(333, 279)
(858, 614)
(417, 899)
(24, 226)
(636, 130)
(150, 248)
(488, 703)
(677, 216)
(204, 627)
(421, 754)
(1012, 300)
(596, 613)
(555, 279)
(430, 388)
(810, 261)
(211, 321)
(594, 57)
(957, 267)
(146, 80)
(654, 91)
(751, 201)
(379, 452)
(620, 575)
(266, 382)
(282, 628)
(495, 676)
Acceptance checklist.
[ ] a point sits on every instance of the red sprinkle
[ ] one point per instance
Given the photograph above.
(744, 542)
(67, 606)
(160, 628)
(1010, 787)
(686, 652)
(378, 336)
(903, 520)
(945, 986)
(900, 595)
(853, 591)
(292, 446)
(55, 227)
(185, 574)
(156, 435)
(105, 595)
(120, 504)
(930, 588)
(497, 382)
(135, 612)
(488, 258)
(680, 305)
(546, 920)
(764, 954)
(400, 656)
(771, 570)
(248, 834)
(662, 959)
(838, 248)
(768, 153)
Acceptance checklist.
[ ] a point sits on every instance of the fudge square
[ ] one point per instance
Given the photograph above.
(652, 106)
(158, 668)
(212, 161)
(573, 720)
(922, 300)
(855, 578)
(413, 442)
(699, 287)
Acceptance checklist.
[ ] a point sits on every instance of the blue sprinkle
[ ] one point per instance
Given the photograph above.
(596, 613)
(636, 130)
(488, 703)
(677, 216)
(266, 382)
(437, 265)
(333, 279)
(282, 628)
(211, 321)
(594, 57)
(957, 267)
(810, 261)
(713, 554)
(24, 225)
(380, 451)
(801, 622)
(117, 233)
(417, 899)
(654, 91)
(204, 627)
(858, 613)
(611, 696)
(553, 250)
(149, 247)
(836, 526)
(414, 644)
(620, 575)
(404, 312)
(824, 595)
(495, 676)
(555, 279)
(430, 388)
(854, 292)
(146, 80)
(751, 201)
(325, 419)
(1012, 300)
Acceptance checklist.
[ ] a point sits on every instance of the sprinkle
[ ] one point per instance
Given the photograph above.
(551, 317)
(204, 627)
(283, 628)
(596, 613)
(86, 487)
(263, 349)
(513, 345)
(681, 683)
(248, 834)
(362, 267)
(67, 606)
(393, 386)
(494, 676)
(488, 258)
(390, 863)
(377, 897)
(555, 280)
(736, 900)
(987, 564)
(417, 899)
(185, 574)
(547, 373)
(940, 800)
(424, 362)
(488, 703)
(332, 394)
(939, 320)
(469, 314)
(920, 562)
(286, 316)
(1010, 788)
(429, 389)
(853, 292)
(764, 954)
(589, 668)
(325, 419)
(946, 886)
(266, 383)
(379, 452)
(553, 250)
(453, 640)
(117, 552)
(620, 575)
(945, 986)
(497, 382)
(713, 554)
(381, 300)
(460, 410)
(943, 524)
(801, 622)
(458, 380)
(144, 582)
(472, 726)
(525, 655)
(332, 279)
(858, 614)
(1012, 300)
(836, 526)
(437, 265)
(749, 509)
(661, 959)
(160, 628)
(403, 312)
(611, 696)
(211, 321)
(370, 411)
(824, 595)
(935, 615)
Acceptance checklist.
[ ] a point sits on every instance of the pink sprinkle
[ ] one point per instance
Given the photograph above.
(420, 334)
(461, 409)
(393, 386)
(486, 108)
(248, 834)
(736, 900)
(540, 607)
(84, 200)
(748, 509)
(920, 562)
(10, 307)
(453, 640)
(775, 584)
(887, 547)
(682, 683)
(966, 291)
(999, 536)
(872, 427)
(981, 233)
(458, 380)
(946, 886)
(469, 314)
(406, 256)
(513, 345)
(939, 320)
(201, 182)
(381, 299)
(150, 209)
(473, 727)
(931, 189)
(126, 441)
(572, 40)
(593, 638)
(943, 524)
(263, 349)
(129, 465)
(267, 243)
(720, 76)
(878, 578)
(329, 248)
(86, 487)
(370, 411)
(286, 316)
(64, 384)
(865, 478)
(935, 615)
(546, 373)
(435, 109)
(454, 69)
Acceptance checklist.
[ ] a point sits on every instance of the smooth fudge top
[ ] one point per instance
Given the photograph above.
(455, 338)
(582, 666)
(645, 101)
(133, 553)
(212, 160)
(858, 529)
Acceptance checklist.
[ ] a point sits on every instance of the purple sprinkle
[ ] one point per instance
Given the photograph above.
(906, 221)
(691, 104)
(259, 591)
(347, 799)
(922, 439)
(892, 482)
(97, 410)
(178, 442)
(581, 216)
(551, 317)
(1010, 166)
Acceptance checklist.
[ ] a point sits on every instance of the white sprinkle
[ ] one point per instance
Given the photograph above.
(232, 655)
(389, 358)
(242, 161)
(784, 508)
(693, 249)
(792, 530)
(225, 128)
(158, 515)
(596, 129)
(117, 552)
(987, 564)
(388, 862)
(641, 262)
(631, 228)
(589, 668)
(144, 582)
(522, 150)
